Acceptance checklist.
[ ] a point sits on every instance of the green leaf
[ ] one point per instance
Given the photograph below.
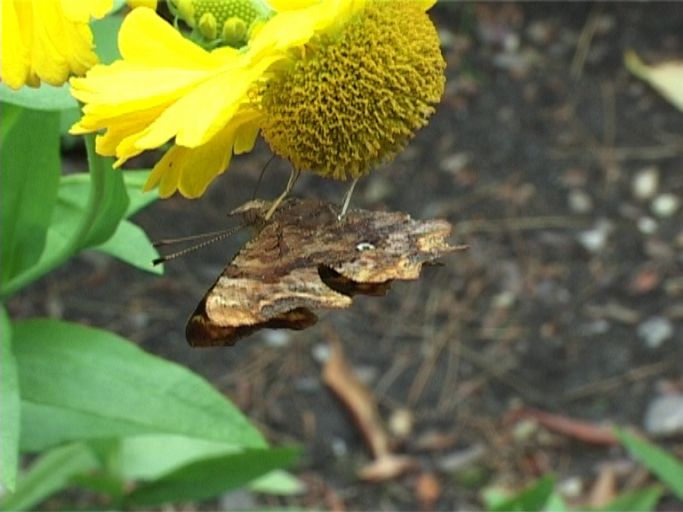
(106, 32)
(73, 190)
(556, 503)
(668, 469)
(50, 473)
(107, 200)
(9, 398)
(135, 181)
(45, 97)
(29, 159)
(643, 500)
(210, 477)
(72, 199)
(534, 498)
(277, 482)
(131, 245)
(149, 457)
(66, 120)
(94, 373)
(44, 426)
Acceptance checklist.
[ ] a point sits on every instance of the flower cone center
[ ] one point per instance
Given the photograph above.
(353, 99)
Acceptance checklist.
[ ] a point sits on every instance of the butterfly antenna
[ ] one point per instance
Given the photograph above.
(219, 235)
(260, 177)
(172, 241)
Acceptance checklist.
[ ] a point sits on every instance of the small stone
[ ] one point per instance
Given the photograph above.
(455, 163)
(594, 328)
(504, 300)
(378, 189)
(664, 416)
(571, 487)
(655, 330)
(665, 205)
(277, 338)
(594, 240)
(579, 201)
(401, 423)
(237, 500)
(645, 183)
(321, 352)
(339, 447)
(647, 225)
(460, 460)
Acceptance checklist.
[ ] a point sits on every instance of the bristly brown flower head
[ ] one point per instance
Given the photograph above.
(353, 99)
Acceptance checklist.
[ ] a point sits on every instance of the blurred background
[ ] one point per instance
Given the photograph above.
(563, 174)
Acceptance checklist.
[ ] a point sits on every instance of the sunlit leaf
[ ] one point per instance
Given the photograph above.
(666, 78)
(93, 373)
(52, 472)
(210, 477)
(667, 468)
(9, 398)
(642, 500)
(29, 159)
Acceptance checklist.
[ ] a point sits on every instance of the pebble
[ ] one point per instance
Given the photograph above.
(237, 500)
(277, 338)
(664, 416)
(462, 459)
(401, 423)
(645, 183)
(456, 162)
(571, 487)
(665, 205)
(579, 201)
(655, 330)
(647, 225)
(339, 446)
(378, 189)
(594, 240)
(321, 352)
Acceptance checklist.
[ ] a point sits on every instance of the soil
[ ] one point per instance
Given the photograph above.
(532, 155)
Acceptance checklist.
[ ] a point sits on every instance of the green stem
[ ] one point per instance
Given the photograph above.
(97, 167)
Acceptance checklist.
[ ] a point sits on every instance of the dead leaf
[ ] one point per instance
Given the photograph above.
(359, 401)
(577, 429)
(428, 491)
(339, 376)
(387, 467)
(604, 489)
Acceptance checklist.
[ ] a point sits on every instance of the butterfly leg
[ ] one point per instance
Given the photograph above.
(347, 198)
(294, 175)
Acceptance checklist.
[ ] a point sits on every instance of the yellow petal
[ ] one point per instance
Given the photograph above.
(61, 40)
(14, 59)
(204, 111)
(145, 38)
(289, 5)
(122, 86)
(190, 170)
(245, 138)
(134, 4)
(81, 11)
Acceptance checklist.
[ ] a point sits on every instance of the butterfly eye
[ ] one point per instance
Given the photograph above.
(365, 246)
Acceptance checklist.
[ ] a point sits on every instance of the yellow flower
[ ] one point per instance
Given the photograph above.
(133, 4)
(47, 40)
(337, 86)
